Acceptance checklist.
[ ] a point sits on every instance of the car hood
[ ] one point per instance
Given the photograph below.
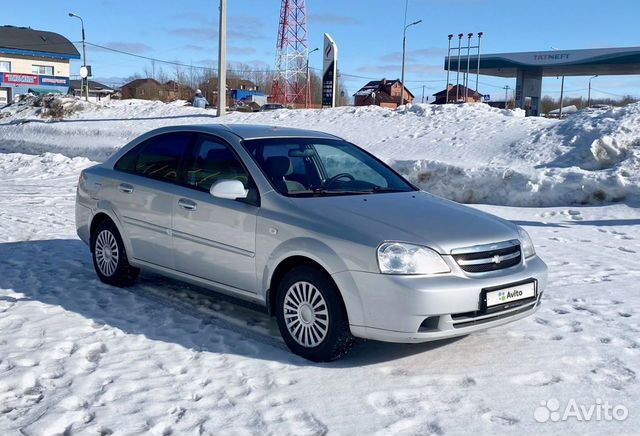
(416, 217)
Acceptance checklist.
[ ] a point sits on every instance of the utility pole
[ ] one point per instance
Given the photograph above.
(589, 96)
(422, 93)
(404, 45)
(308, 95)
(222, 60)
(506, 95)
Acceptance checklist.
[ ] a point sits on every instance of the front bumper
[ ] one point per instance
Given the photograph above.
(396, 308)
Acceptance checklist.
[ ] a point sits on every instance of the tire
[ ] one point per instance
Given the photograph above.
(110, 257)
(310, 302)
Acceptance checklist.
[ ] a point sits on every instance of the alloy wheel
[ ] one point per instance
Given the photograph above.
(306, 314)
(106, 253)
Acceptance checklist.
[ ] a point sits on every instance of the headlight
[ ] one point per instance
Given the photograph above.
(526, 244)
(402, 258)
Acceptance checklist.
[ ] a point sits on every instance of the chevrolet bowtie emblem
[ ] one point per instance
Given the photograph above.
(497, 259)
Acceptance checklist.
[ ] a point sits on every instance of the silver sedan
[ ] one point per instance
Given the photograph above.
(328, 238)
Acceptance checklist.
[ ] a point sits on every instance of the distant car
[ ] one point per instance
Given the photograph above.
(272, 107)
(327, 237)
(245, 107)
(600, 106)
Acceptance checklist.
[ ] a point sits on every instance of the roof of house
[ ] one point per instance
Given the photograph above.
(138, 82)
(378, 86)
(452, 91)
(381, 97)
(31, 42)
(93, 86)
(175, 84)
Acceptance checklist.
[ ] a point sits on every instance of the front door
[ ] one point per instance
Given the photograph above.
(214, 238)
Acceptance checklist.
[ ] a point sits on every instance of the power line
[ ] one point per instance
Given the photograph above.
(178, 64)
(175, 63)
(570, 90)
(611, 93)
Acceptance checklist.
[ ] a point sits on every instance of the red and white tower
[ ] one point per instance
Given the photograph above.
(291, 81)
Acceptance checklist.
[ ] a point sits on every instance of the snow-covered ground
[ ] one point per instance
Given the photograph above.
(80, 357)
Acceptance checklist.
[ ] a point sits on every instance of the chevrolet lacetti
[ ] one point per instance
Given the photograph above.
(328, 238)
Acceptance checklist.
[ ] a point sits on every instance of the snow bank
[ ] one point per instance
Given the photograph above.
(507, 186)
(468, 153)
(43, 166)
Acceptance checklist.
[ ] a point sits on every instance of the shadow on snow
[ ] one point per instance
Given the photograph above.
(59, 272)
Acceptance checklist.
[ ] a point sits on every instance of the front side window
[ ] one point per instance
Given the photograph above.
(316, 167)
(212, 161)
(5, 67)
(158, 157)
(43, 70)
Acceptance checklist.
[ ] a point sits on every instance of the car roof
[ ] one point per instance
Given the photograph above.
(255, 131)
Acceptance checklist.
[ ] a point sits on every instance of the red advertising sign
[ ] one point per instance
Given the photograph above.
(20, 79)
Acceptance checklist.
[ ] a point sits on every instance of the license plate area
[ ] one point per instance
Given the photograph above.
(508, 296)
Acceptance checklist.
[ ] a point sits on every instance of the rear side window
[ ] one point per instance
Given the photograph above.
(158, 157)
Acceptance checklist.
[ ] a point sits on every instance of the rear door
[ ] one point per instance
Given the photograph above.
(214, 238)
(143, 194)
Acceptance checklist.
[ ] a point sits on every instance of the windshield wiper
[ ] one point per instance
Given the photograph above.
(318, 191)
(323, 191)
(377, 189)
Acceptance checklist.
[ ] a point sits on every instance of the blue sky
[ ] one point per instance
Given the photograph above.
(368, 34)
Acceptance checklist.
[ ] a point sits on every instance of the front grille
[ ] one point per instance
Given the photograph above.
(461, 320)
(490, 260)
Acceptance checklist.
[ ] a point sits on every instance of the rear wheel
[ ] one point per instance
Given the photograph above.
(109, 256)
(311, 317)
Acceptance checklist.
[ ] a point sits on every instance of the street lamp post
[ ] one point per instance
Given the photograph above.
(85, 82)
(446, 101)
(561, 97)
(308, 102)
(404, 45)
(589, 95)
(466, 77)
(460, 35)
(222, 59)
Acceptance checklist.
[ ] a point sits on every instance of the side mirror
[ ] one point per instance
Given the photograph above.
(229, 189)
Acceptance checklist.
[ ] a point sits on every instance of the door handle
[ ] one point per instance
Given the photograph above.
(126, 188)
(187, 204)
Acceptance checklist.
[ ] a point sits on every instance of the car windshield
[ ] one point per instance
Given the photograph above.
(323, 167)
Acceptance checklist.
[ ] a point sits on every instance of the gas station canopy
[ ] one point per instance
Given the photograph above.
(530, 67)
(586, 62)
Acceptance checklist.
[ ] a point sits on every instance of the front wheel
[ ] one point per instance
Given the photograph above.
(311, 317)
(110, 258)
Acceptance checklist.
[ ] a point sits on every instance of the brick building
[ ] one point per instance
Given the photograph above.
(385, 93)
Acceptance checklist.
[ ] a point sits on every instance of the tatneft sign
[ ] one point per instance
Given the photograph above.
(551, 57)
(329, 72)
